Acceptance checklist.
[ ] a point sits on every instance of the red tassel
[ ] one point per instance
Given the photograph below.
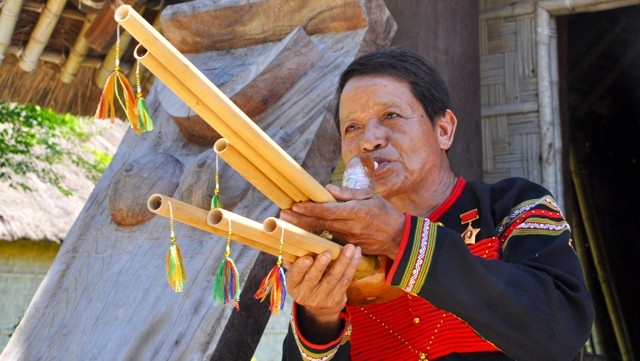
(274, 284)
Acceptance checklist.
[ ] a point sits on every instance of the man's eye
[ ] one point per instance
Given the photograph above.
(391, 115)
(350, 128)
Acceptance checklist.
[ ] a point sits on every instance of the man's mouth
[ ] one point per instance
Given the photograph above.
(379, 165)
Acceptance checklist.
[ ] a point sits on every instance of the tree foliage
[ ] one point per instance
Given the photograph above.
(33, 141)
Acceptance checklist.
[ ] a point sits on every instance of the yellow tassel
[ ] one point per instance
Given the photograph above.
(176, 273)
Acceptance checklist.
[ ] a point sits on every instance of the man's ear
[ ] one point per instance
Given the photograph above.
(445, 129)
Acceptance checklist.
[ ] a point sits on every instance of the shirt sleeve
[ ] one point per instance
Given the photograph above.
(532, 303)
(297, 347)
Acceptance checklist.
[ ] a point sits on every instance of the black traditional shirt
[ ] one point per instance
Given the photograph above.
(514, 290)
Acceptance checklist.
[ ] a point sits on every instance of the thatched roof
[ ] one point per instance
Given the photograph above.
(68, 73)
(44, 214)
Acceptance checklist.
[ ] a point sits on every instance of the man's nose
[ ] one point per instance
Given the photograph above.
(373, 137)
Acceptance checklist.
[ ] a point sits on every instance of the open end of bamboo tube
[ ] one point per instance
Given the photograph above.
(122, 12)
(220, 145)
(214, 217)
(140, 52)
(269, 225)
(154, 202)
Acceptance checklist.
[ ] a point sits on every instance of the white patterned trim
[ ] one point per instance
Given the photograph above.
(517, 212)
(421, 254)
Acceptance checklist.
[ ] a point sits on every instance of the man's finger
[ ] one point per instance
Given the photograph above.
(335, 278)
(343, 194)
(297, 270)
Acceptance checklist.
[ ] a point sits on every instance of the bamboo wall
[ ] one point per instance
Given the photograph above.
(519, 87)
(508, 93)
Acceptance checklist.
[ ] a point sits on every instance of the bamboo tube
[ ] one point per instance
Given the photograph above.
(144, 72)
(67, 13)
(77, 54)
(224, 107)
(598, 253)
(53, 57)
(314, 243)
(253, 234)
(249, 172)
(8, 19)
(192, 100)
(595, 342)
(197, 218)
(41, 34)
(368, 287)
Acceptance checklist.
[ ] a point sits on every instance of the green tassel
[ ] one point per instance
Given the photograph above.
(146, 124)
(216, 202)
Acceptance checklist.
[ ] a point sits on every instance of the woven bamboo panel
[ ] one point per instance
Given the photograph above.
(510, 128)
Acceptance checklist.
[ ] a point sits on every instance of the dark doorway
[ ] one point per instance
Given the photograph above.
(599, 57)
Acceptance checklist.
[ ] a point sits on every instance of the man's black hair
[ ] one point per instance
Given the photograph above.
(424, 79)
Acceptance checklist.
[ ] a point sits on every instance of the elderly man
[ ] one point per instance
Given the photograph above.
(487, 269)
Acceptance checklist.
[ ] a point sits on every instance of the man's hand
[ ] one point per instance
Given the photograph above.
(320, 287)
(360, 217)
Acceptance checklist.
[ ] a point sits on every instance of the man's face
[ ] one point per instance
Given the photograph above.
(380, 117)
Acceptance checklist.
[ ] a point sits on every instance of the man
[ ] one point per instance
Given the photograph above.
(488, 270)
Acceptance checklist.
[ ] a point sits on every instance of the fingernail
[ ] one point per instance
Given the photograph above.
(332, 187)
(306, 261)
(348, 250)
(324, 258)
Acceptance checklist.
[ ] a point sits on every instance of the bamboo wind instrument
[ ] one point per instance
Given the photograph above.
(256, 157)
(262, 236)
(199, 93)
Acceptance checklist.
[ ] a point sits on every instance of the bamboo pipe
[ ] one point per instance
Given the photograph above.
(368, 287)
(224, 107)
(200, 106)
(57, 58)
(144, 72)
(77, 54)
(252, 230)
(254, 175)
(594, 343)
(315, 244)
(67, 13)
(197, 218)
(264, 237)
(41, 34)
(598, 253)
(8, 19)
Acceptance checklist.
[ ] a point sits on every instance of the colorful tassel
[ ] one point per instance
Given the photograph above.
(226, 285)
(215, 201)
(117, 87)
(176, 272)
(274, 284)
(144, 119)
